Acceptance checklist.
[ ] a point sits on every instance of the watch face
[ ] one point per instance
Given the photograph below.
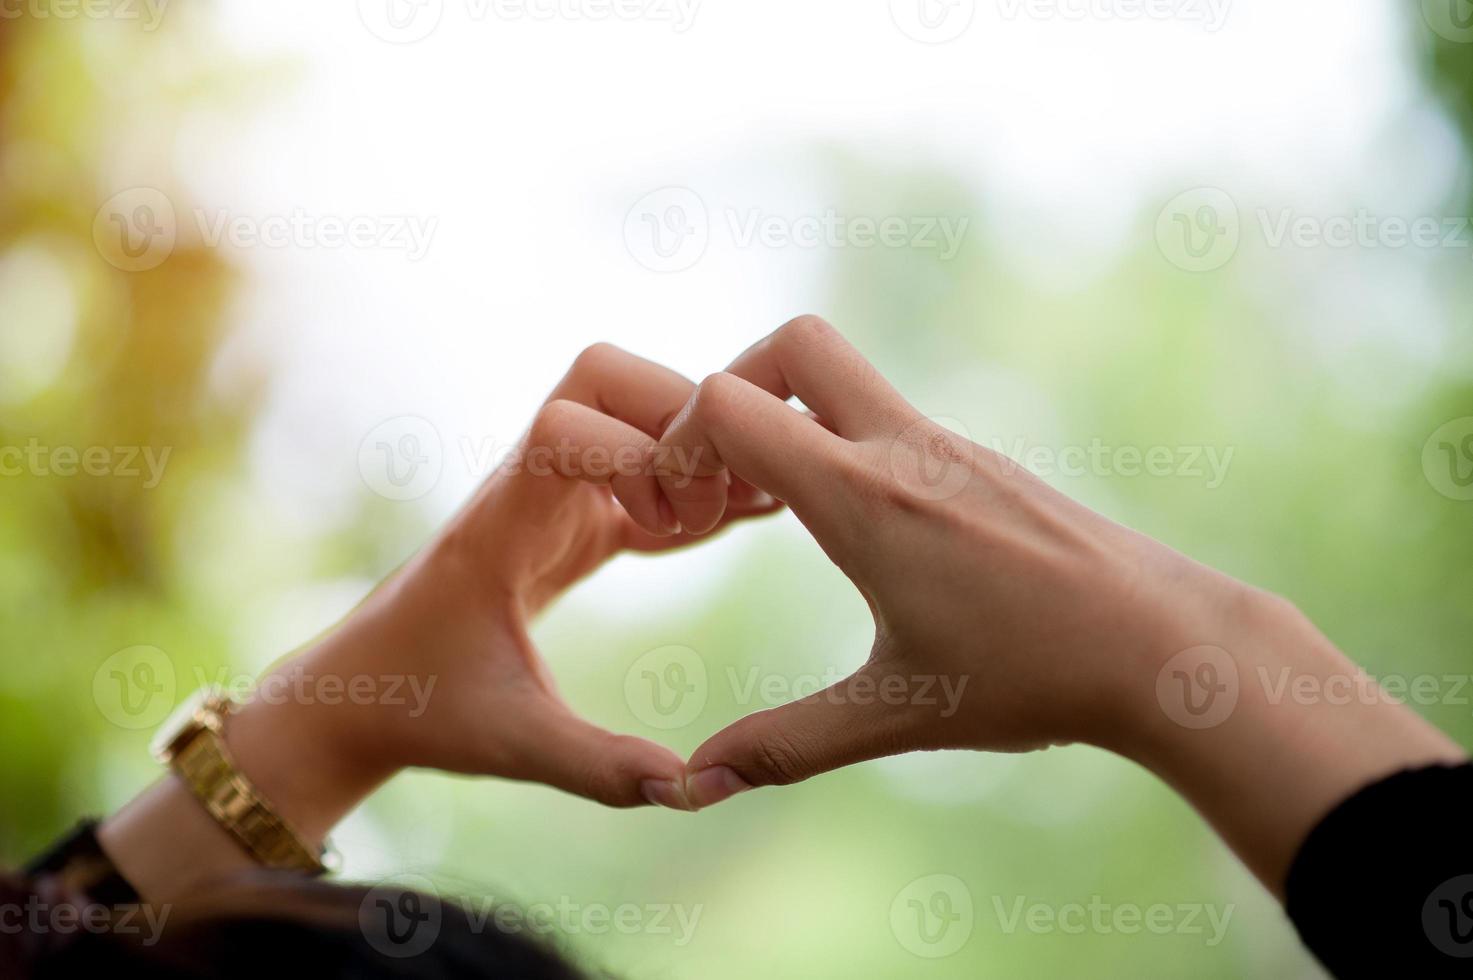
(180, 723)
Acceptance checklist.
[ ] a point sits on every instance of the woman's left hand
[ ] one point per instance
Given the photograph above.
(473, 693)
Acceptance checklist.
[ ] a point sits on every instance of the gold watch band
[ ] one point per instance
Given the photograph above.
(197, 753)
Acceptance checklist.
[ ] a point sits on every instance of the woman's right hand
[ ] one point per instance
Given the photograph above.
(1008, 617)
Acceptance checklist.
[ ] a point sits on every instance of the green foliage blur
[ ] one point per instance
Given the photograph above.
(1326, 502)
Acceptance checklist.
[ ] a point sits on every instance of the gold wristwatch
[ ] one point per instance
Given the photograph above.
(191, 744)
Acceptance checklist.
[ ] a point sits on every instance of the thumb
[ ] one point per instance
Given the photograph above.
(616, 770)
(852, 721)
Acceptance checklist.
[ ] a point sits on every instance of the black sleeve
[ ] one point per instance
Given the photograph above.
(1384, 885)
(78, 862)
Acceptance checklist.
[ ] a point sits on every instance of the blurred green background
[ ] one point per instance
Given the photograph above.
(1327, 501)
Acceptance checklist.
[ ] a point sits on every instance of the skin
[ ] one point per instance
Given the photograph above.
(458, 614)
(1053, 625)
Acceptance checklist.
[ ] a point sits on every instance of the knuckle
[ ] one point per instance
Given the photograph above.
(867, 479)
(779, 757)
(805, 331)
(927, 464)
(595, 359)
(601, 788)
(552, 421)
(716, 397)
(607, 781)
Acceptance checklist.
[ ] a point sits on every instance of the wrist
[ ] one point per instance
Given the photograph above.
(1197, 663)
(174, 838)
(305, 756)
(1265, 727)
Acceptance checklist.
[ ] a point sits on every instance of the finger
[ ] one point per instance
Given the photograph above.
(773, 447)
(743, 497)
(647, 396)
(808, 358)
(578, 442)
(637, 538)
(847, 723)
(615, 382)
(616, 770)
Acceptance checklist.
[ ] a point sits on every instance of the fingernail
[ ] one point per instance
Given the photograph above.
(668, 520)
(710, 786)
(666, 793)
(762, 500)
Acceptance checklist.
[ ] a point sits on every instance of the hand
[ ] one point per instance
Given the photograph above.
(477, 697)
(1036, 610)
(1044, 621)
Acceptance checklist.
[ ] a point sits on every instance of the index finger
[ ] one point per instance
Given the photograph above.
(808, 358)
(732, 423)
(647, 396)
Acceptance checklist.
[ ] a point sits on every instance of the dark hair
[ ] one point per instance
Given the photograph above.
(264, 925)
